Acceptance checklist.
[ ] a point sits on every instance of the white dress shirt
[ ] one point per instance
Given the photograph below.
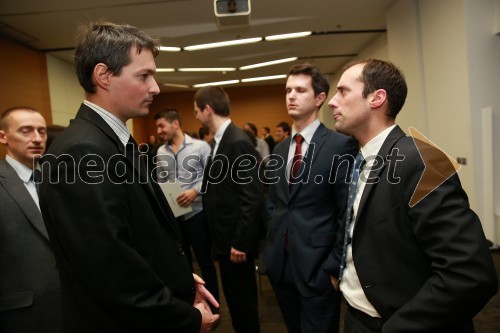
(218, 135)
(349, 284)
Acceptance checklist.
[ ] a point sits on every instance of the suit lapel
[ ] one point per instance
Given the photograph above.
(283, 186)
(90, 115)
(385, 150)
(16, 189)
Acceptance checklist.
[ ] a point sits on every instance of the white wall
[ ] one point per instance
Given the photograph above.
(483, 57)
(377, 49)
(66, 95)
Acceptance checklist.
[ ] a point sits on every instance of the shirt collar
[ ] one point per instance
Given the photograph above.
(220, 132)
(116, 124)
(373, 146)
(308, 132)
(22, 170)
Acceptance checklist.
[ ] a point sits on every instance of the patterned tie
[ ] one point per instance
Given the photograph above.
(353, 189)
(297, 158)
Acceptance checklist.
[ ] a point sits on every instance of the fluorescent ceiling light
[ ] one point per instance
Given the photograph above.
(268, 63)
(213, 69)
(287, 36)
(175, 85)
(160, 70)
(221, 44)
(262, 78)
(219, 83)
(170, 48)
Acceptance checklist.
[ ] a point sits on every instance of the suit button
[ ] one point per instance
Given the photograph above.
(180, 250)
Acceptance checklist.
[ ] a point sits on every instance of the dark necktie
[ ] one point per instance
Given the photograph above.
(297, 158)
(353, 189)
(36, 177)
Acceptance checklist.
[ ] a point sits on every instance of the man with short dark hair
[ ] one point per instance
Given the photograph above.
(268, 138)
(182, 160)
(282, 131)
(306, 207)
(30, 294)
(407, 266)
(234, 206)
(116, 240)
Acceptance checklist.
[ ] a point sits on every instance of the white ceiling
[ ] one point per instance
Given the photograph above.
(341, 29)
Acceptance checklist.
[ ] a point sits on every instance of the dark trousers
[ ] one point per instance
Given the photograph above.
(357, 322)
(318, 314)
(195, 234)
(239, 283)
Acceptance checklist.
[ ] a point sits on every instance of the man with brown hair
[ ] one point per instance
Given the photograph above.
(116, 240)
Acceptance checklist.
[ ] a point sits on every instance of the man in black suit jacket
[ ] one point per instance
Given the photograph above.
(116, 241)
(419, 267)
(306, 212)
(234, 206)
(30, 295)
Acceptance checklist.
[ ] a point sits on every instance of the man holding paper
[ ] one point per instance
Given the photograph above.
(180, 164)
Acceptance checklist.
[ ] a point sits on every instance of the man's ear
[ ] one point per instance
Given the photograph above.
(320, 99)
(102, 76)
(379, 97)
(3, 137)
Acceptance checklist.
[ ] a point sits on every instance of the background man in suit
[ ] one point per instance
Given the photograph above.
(182, 159)
(30, 295)
(306, 213)
(261, 146)
(234, 206)
(268, 138)
(116, 241)
(282, 131)
(419, 268)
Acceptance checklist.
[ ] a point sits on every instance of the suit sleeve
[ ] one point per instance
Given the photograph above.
(462, 276)
(343, 166)
(89, 220)
(250, 194)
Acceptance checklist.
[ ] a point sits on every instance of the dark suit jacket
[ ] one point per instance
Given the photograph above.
(426, 268)
(115, 238)
(30, 295)
(311, 212)
(233, 202)
(270, 142)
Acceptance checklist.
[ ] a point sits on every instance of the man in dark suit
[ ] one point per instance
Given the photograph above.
(30, 295)
(234, 206)
(420, 266)
(306, 209)
(116, 241)
(268, 138)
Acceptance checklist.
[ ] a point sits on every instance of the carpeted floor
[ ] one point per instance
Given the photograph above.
(487, 321)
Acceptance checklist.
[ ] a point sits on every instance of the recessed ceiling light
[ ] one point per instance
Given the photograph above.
(163, 70)
(222, 44)
(209, 69)
(170, 49)
(175, 85)
(262, 78)
(268, 63)
(288, 36)
(219, 83)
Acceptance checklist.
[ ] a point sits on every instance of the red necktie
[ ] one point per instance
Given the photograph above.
(297, 158)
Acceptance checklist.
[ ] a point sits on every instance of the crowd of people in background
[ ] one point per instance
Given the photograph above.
(97, 231)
